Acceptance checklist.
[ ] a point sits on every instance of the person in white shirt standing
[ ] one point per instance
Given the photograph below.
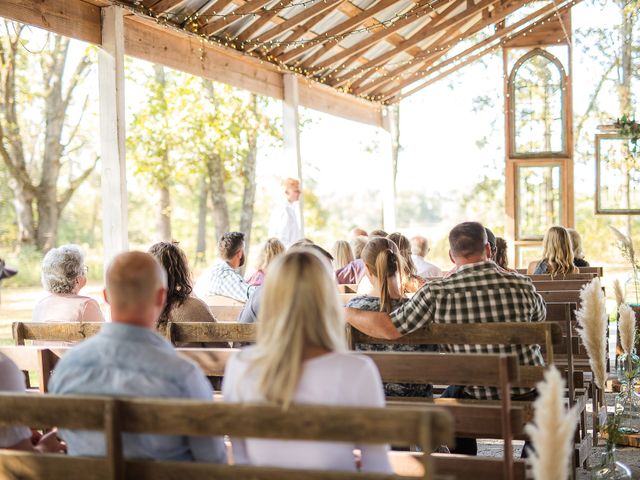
(419, 250)
(285, 219)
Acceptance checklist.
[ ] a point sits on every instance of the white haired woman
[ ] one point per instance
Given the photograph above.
(63, 275)
(301, 357)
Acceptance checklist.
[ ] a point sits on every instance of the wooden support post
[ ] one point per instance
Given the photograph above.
(389, 122)
(291, 121)
(112, 134)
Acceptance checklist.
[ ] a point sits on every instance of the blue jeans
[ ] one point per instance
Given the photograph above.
(469, 446)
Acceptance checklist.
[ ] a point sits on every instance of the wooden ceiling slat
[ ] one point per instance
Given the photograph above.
(165, 5)
(425, 33)
(363, 45)
(343, 27)
(239, 13)
(295, 21)
(215, 8)
(265, 18)
(549, 10)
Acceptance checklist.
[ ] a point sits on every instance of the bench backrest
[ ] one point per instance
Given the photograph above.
(560, 285)
(53, 332)
(226, 313)
(426, 427)
(599, 271)
(566, 296)
(572, 276)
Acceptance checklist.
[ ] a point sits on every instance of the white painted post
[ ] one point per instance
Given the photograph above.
(112, 134)
(388, 183)
(291, 133)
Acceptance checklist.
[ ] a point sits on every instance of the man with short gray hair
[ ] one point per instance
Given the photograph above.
(128, 358)
(419, 250)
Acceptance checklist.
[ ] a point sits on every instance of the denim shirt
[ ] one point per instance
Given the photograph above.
(124, 360)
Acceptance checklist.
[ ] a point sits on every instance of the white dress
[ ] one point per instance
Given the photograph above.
(331, 379)
(11, 380)
(285, 223)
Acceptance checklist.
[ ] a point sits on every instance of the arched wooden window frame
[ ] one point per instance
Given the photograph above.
(512, 121)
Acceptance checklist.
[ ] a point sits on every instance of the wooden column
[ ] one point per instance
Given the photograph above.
(291, 121)
(388, 173)
(112, 133)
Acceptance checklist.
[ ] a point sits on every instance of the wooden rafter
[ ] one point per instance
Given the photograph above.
(295, 21)
(343, 27)
(215, 8)
(423, 6)
(165, 5)
(522, 27)
(257, 24)
(349, 75)
(425, 33)
(216, 26)
(304, 29)
(497, 15)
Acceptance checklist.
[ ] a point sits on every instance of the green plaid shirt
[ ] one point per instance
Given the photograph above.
(477, 293)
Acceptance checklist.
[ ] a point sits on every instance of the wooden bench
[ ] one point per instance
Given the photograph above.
(226, 313)
(425, 427)
(572, 276)
(559, 285)
(598, 271)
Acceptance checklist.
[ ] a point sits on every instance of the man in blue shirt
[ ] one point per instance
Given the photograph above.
(128, 358)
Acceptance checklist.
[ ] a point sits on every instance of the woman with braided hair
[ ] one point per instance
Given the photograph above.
(384, 269)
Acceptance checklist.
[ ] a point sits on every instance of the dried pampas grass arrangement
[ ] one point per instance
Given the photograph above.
(617, 289)
(552, 430)
(627, 328)
(592, 318)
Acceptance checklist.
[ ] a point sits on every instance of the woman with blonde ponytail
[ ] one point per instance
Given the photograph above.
(301, 357)
(384, 269)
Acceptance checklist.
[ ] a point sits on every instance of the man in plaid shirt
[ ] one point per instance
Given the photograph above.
(476, 291)
(222, 278)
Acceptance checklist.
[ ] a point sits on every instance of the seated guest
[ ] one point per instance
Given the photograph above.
(222, 277)
(352, 272)
(411, 282)
(63, 275)
(419, 250)
(557, 254)
(379, 233)
(358, 232)
(21, 438)
(271, 249)
(301, 357)
(576, 243)
(127, 357)
(478, 291)
(501, 258)
(342, 254)
(382, 260)
(357, 244)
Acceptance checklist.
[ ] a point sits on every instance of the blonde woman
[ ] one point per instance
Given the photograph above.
(301, 357)
(271, 249)
(557, 255)
(576, 243)
(342, 254)
(383, 270)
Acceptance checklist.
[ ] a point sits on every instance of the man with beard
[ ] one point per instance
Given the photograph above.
(222, 278)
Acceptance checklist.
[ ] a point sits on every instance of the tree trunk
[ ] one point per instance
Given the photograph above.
(218, 195)
(164, 214)
(395, 143)
(23, 204)
(249, 177)
(201, 244)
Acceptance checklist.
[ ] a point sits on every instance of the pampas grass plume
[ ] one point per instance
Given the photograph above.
(617, 289)
(627, 328)
(592, 318)
(552, 430)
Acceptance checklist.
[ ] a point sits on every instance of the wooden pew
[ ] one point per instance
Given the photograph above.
(559, 285)
(598, 271)
(53, 332)
(572, 276)
(425, 427)
(226, 313)
(566, 296)
(39, 360)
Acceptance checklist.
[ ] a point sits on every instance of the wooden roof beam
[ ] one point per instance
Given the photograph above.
(216, 26)
(345, 26)
(523, 25)
(363, 45)
(213, 9)
(294, 21)
(164, 5)
(496, 15)
(425, 33)
(265, 18)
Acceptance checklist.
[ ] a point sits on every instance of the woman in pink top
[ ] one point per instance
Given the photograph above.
(271, 249)
(63, 275)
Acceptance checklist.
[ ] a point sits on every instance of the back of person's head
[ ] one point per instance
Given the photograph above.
(501, 257)
(299, 308)
(467, 240)
(491, 240)
(378, 233)
(179, 284)
(419, 246)
(404, 247)
(576, 243)
(230, 244)
(62, 269)
(135, 288)
(270, 250)
(290, 184)
(358, 232)
(342, 254)
(557, 251)
(357, 244)
(382, 258)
